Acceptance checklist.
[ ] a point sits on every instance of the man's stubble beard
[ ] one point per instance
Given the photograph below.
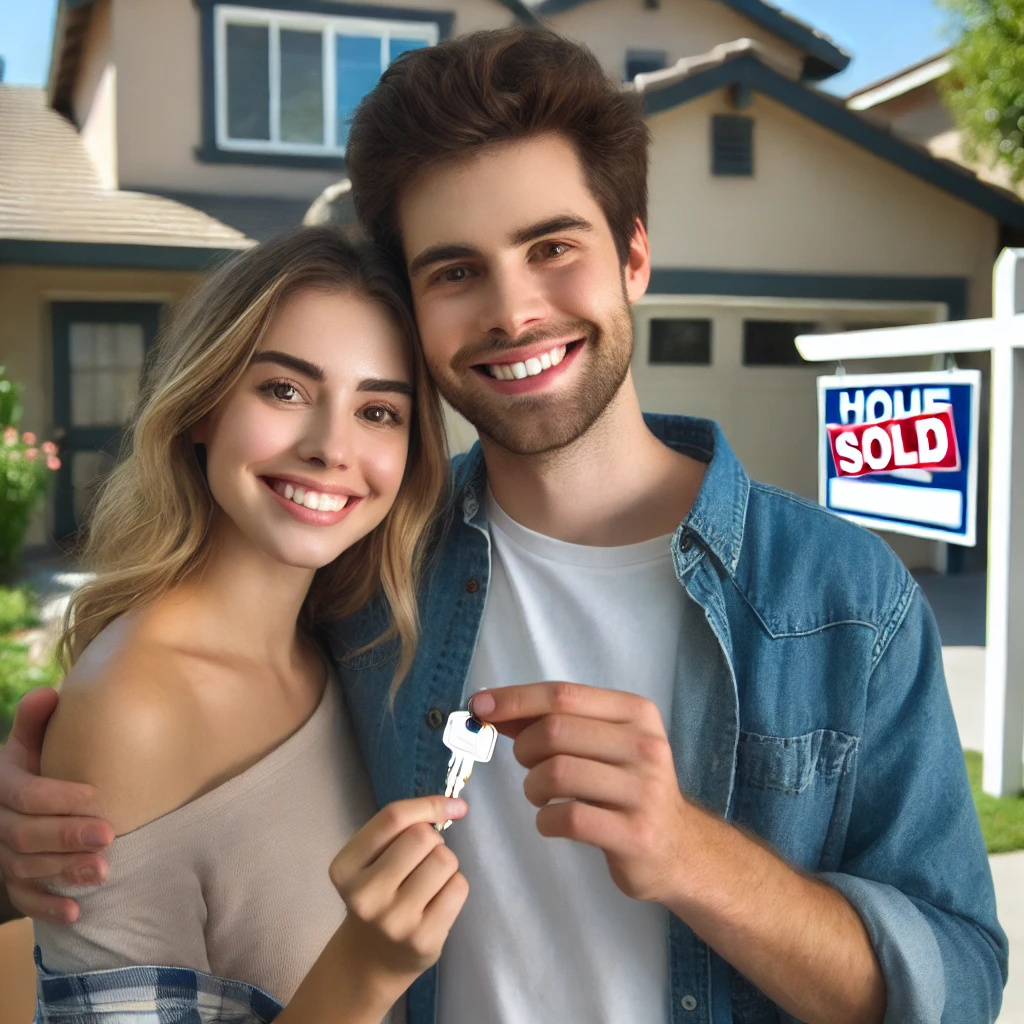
(541, 424)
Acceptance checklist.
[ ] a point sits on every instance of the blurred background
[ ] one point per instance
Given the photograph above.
(818, 166)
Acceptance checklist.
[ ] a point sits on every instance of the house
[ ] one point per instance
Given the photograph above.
(910, 104)
(775, 209)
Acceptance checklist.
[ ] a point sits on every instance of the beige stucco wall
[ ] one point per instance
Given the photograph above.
(94, 97)
(25, 328)
(159, 102)
(918, 114)
(817, 204)
(682, 28)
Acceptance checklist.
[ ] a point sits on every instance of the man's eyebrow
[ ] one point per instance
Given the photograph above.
(380, 384)
(302, 366)
(460, 251)
(439, 253)
(551, 226)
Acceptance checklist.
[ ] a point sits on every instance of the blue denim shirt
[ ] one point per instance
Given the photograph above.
(813, 711)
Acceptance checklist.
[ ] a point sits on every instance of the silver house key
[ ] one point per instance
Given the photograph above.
(469, 740)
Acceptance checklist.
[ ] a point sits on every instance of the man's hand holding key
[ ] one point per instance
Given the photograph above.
(608, 753)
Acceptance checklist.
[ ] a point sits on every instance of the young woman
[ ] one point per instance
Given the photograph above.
(286, 463)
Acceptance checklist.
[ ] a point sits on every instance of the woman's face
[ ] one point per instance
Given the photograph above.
(306, 453)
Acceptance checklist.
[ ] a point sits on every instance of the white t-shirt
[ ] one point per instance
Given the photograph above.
(546, 936)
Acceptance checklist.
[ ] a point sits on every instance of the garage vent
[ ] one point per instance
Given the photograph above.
(732, 145)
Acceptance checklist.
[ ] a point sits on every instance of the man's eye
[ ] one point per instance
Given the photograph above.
(455, 274)
(557, 249)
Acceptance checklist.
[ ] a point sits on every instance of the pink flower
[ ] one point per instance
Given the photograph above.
(49, 448)
(28, 437)
(31, 454)
(10, 436)
(52, 462)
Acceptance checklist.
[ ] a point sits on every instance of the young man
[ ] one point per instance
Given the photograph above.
(727, 704)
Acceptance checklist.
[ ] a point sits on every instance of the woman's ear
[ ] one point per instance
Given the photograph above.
(197, 435)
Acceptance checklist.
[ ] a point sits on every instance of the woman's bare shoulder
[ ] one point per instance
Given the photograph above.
(128, 724)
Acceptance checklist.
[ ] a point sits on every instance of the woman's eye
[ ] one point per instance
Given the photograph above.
(281, 390)
(381, 414)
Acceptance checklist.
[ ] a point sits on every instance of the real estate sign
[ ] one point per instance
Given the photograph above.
(899, 451)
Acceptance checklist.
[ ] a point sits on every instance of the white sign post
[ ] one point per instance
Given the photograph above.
(1003, 337)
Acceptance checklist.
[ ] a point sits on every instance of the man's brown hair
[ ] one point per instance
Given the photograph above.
(444, 102)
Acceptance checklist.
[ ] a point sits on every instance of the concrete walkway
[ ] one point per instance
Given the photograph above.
(959, 606)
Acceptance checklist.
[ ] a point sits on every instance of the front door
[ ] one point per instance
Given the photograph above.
(98, 352)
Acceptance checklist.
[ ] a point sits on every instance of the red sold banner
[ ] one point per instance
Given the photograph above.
(917, 442)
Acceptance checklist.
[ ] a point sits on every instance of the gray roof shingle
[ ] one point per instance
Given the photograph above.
(50, 190)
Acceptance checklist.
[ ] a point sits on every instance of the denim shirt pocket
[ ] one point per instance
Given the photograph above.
(795, 792)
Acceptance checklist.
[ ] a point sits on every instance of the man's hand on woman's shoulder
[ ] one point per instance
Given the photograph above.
(49, 829)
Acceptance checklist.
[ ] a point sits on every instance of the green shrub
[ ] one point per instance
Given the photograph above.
(17, 609)
(26, 467)
(17, 677)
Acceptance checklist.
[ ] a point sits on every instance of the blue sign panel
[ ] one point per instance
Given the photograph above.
(904, 473)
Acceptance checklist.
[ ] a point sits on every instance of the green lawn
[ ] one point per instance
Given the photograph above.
(1002, 818)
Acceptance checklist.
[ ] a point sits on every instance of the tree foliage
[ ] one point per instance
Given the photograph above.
(985, 90)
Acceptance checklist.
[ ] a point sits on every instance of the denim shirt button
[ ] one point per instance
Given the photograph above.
(434, 718)
(689, 1003)
(684, 545)
(472, 586)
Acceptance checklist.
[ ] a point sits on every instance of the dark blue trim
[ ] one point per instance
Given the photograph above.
(677, 281)
(831, 114)
(823, 59)
(110, 254)
(209, 154)
(80, 439)
(208, 151)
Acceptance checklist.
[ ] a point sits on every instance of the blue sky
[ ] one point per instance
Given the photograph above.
(882, 35)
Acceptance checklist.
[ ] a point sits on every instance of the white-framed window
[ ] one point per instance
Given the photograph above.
(288, 82)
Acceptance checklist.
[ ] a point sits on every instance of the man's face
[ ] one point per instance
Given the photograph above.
(521, 301)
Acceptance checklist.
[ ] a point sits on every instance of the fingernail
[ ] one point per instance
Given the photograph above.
(93, 835)
(481, 704)
(456, 808)
(87, 876)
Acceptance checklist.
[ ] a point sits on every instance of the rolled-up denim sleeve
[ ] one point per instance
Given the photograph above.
(914, 863)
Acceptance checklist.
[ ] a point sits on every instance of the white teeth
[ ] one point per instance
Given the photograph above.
(315, 500)
(530, 368)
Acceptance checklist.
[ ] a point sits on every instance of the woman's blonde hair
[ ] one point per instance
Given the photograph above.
(149, 527)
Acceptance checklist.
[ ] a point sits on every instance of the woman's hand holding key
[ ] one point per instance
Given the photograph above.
(403, 890)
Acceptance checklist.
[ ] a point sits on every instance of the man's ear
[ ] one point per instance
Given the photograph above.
(637, 271)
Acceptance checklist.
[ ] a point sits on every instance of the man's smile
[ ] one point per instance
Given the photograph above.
(531, 368)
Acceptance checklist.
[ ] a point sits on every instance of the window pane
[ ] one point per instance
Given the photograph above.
(772, 342)
(106, 362)
(248, 53)
(358, 71)
(681, 341)
(302, 87)
(399, 46)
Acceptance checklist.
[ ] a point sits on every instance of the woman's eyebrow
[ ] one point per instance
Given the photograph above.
(302, 366)
(381, 384)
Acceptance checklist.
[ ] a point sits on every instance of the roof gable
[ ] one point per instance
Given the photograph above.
(675, 86)
(823, 58)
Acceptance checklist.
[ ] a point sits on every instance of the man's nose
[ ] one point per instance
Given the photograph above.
(513, 302)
